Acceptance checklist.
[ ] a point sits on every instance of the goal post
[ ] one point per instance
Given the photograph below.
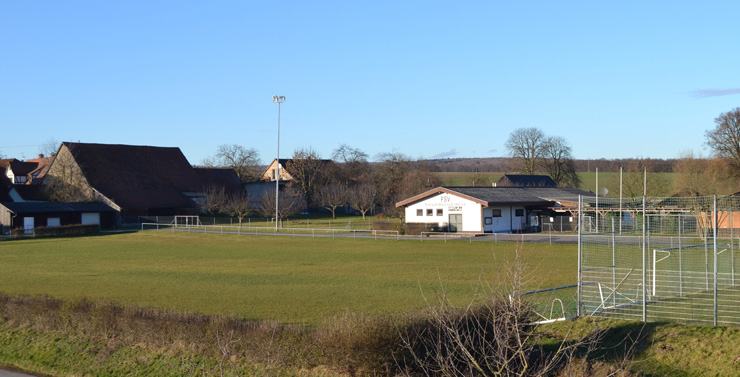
(186, 221)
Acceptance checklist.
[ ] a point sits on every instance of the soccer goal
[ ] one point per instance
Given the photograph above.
(186, 221)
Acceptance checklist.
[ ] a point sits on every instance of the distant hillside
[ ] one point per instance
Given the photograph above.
(503, 164)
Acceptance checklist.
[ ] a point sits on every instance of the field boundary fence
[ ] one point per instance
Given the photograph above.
(657, 259)
(248, 229)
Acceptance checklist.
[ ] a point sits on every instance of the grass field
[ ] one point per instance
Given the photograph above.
(254, 277)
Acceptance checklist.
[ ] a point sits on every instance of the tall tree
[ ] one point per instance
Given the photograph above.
(332, 196)
(634, 179)
(557, 161)
(362, 198)
(526, 146)
(291, 203)
(698, 176)
(352, 165)
(64, 181)
(307, 170)
(724, 139)
(49, 147)
(244, 161)
(238, 204)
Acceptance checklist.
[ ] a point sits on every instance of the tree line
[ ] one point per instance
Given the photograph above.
(348, 179)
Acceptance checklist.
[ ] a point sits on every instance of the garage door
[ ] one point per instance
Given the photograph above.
(91, 218)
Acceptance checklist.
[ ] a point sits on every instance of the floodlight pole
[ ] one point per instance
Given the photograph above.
(278, 100)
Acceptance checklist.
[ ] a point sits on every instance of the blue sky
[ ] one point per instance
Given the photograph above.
(427, 79)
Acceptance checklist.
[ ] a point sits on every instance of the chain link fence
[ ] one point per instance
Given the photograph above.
(657, 259)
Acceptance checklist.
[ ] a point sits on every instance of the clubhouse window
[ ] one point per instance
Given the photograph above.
(488, 220)
(496, 212)
(439, 211)
(419, 212)
(430, 212)
(519, 212)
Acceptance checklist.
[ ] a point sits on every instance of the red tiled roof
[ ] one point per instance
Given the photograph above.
(137, 176)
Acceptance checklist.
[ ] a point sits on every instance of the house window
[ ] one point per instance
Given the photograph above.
(519, 212)
(430, 212)
(496, 212)
(419, 212)
(439, 211)
(488, 220)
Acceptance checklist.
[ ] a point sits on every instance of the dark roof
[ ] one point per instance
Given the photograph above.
(55, 207)
(219, 177)
(524, 180)
(137, 176)
(5, 194)
(23, 167)
(490, 196)
(31, 192)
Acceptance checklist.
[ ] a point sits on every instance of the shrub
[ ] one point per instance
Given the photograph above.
(416, 229)
(387, 225)
(68, 230)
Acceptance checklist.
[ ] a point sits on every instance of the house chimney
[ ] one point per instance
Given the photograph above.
(41, 155)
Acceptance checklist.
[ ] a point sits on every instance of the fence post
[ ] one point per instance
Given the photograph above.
(680, 257)
(732, 249)
(715, 258)
(580, 250)
(614, 266)
(644, 258)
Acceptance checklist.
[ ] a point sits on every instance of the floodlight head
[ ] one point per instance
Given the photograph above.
(282, 98)
(274, 99)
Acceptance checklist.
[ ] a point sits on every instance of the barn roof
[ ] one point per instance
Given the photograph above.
(525, 180)
(135, 176)
(219, 177)
(55, 207)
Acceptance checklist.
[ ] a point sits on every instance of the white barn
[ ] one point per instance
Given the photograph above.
(486, 209)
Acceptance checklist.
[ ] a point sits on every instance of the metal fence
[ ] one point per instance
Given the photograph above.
(660, 259)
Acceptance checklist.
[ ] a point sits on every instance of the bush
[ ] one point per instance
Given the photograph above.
(69, 230)
(387, 225)
(416, 229)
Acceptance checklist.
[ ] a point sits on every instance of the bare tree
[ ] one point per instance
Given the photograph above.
(557, 161)
(49, 147)
(307, 170)
(291, 203)
(64, 181)
(238, 204)
(724, 139)
(697, 176)
(332, 196)
(480, 180)
(526, 146)
(214, 200)
(245, 161)
(387, 175)
(635, 178)
(362, 198)
(352, 166)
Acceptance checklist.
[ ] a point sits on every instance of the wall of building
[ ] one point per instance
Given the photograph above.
(504, 219)
(442, 206)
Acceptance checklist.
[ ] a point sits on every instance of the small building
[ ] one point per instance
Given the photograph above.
(487, 209)
(31, 215)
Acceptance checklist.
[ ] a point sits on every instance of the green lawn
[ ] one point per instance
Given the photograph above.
(254, 277)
